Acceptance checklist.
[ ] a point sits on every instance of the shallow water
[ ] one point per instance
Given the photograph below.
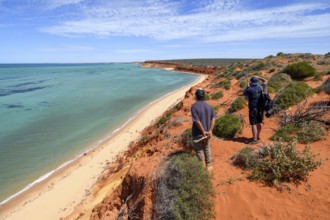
(50, 113)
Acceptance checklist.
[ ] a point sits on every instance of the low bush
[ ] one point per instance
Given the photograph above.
(285, 133)
(318, 77)
(278, 82)
(164, 119)
(216, 108)
(326, 86)
(310, 132)
(292, 94)
(223, 84)
(217, 95)
(305, 132)
(237, 104)
(186, 139)
(245, 158)
(284, 164)
(176, 122)
(259, 66)
(300, 70)
(207, 97)
(184, 190)
(243, 82)
(227, 126)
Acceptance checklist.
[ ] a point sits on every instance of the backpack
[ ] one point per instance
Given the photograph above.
(266, 103)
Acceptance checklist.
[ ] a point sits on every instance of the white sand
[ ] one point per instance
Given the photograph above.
(57, 196)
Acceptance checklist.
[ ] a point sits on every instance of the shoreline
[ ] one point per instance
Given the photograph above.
(55, 194)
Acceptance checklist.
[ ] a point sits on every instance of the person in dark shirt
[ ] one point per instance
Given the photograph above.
(256, 113)
(203, 118)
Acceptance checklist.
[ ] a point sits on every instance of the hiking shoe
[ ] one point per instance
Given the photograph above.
(209, 168)
(253, 142)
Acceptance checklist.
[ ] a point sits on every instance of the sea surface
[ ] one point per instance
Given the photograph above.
(52, 113)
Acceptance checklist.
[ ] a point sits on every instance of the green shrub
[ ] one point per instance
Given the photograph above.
(285, 164)
(184, 190)
(279, 54)
(227, 126)
(326, 86)
(292, 94)
(305, 132)
(217, 95)
(278, 82)
(300, 70)
(245, 158)
(164, 119)
(258, 66)
(186, 139)
(223, 84)
(207, 97)
(237, 104)
(216, 108)
(310, 131)
(318, 77)
(176, 122)
(243, 82)
(285, 133)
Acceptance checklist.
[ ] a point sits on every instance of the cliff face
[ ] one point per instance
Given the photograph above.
(133, 199)
(209, 70)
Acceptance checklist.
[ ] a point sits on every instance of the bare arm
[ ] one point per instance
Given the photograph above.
(205, 133)
(212, 126)
(262, 79)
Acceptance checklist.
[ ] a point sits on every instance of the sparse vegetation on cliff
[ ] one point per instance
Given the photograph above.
(184, 190)
(217, 95)
(223, 84)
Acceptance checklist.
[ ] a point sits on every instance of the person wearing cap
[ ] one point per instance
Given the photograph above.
(203, 118)
(253, 92)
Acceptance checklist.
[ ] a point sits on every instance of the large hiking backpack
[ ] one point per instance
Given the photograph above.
(266, 103)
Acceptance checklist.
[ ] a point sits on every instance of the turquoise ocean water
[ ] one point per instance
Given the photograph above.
(51, 113)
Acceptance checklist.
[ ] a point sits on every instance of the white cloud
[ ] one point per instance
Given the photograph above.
(217, 21)
(52, 4)
(68, 48)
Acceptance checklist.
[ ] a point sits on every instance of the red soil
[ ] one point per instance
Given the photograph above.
(235, 197)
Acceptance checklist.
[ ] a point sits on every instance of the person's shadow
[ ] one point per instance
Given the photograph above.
(243, 140)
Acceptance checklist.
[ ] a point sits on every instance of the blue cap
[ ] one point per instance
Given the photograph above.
(254, 80)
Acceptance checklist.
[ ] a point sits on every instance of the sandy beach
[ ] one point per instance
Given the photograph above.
(57, 196)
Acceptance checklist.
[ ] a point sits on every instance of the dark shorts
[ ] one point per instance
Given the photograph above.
(256, 116)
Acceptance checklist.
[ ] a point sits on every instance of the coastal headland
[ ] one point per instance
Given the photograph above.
(119, 177)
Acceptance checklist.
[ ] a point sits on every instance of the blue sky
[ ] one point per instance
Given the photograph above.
(73, 31)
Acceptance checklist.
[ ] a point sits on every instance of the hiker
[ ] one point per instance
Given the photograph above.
(203, 118)
(256, 112)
